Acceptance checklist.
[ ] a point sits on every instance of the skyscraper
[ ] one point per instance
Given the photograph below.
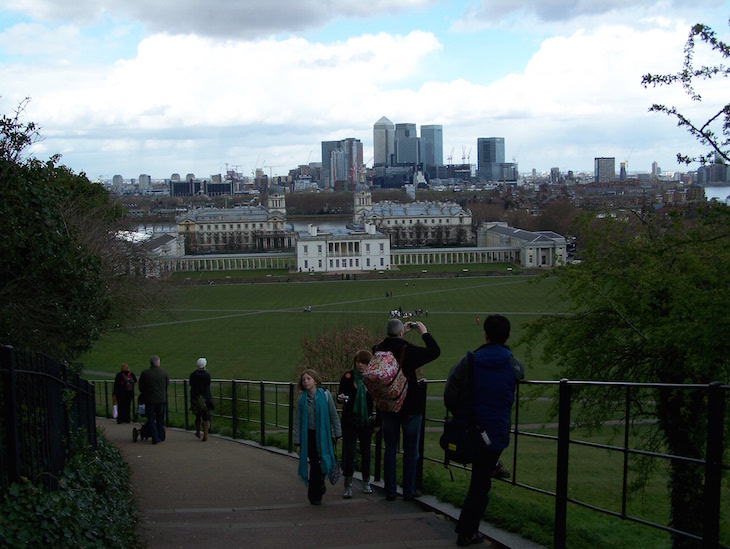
(383, 142)
(432, 145)
(490, 158)
(407, 144)
(604, 169)
(341, 162)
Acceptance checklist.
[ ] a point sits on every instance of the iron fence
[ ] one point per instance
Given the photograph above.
(259, 409)
(43, 404)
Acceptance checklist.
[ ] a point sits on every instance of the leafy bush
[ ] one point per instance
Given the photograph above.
(94, 506)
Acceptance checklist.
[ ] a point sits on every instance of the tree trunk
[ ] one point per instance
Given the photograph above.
(682, 416)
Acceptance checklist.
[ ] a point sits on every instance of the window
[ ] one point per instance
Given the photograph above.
(381, 262)
(367, 248)
(319, 249)
(382, 248)
(320, 263)
(367, 262)
(306, 264)
(304, 249)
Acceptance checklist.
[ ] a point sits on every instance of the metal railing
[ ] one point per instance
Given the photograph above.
(43, 405)
(258, 409)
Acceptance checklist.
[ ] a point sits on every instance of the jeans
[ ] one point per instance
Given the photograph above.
(411, 424)
(156, 418)
(477, 498)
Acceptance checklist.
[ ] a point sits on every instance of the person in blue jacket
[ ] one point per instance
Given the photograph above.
(489, 402)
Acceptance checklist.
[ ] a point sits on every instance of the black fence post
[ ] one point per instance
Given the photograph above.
(713, 464)
(561, 477)
(234, 409)
(423, 388)
(185, 401)
(291, 419)
(378, 454)
(10, 387)
(263, 414)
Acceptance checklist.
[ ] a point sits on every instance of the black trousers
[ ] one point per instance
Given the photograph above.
(477, 498)
(351, 434)
(316, 479)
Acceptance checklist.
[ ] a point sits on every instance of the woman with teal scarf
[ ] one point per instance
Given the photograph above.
(357, 423)
(314, 420)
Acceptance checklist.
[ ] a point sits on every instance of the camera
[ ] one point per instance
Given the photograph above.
(345, 398)
(412, 325)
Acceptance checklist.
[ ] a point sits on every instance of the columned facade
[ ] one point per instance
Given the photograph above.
(454, 256)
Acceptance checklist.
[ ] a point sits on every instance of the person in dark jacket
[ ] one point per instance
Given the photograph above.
(489, 405)
(201, 401)
(153, 384)
(410, 416)
(124, 393)
(358, 422)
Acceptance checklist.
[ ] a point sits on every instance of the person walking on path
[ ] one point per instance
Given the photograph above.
(124, 393)
(410, 416)
(201, 401)
(153, 384)
(314, 420)
(486, 395)
(358, 423)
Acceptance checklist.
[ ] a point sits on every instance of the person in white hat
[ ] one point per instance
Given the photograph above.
(201, 401)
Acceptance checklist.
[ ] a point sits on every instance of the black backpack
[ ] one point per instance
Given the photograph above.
(127, 381)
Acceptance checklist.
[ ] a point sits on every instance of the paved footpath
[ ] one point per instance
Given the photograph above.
(228, 493)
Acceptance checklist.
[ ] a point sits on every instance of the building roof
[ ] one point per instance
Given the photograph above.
(245, 213)
(416, 209)
(157, 242)
(527, 237)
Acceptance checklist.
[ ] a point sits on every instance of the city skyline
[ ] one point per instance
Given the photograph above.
(137, 88)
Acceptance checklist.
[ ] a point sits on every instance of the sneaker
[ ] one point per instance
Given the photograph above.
(366, 488)
(464, 540)
(348, 492)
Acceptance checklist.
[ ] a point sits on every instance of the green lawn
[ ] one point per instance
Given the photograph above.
(253, 331)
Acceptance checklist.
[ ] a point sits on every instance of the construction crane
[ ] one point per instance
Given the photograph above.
(450, 157)
(270, 170)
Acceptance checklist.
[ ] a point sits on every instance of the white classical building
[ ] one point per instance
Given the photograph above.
(537, 249)
(241, 229)
(416, 223)
(344, 249)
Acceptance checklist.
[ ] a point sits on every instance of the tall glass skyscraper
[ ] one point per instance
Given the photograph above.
(490, 158)
(432, 145)
(383, 142)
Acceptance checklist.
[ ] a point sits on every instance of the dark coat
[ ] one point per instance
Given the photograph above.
(414, 358)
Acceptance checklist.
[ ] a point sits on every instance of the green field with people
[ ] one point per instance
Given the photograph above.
(254, 330)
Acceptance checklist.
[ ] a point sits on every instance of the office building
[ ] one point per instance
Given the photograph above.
(432, 145)
(383, 142)
(342, 164)
(604, 169)
(491, 165)
(407, 144)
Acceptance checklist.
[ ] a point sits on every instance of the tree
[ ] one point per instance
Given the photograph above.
(66, 276)
(331, 353)
(650, 298)
(715, 131)
(650, 305)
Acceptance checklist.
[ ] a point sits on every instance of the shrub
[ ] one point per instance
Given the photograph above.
(94, 506)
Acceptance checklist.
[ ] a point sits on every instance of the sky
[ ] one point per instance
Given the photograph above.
(157, 87)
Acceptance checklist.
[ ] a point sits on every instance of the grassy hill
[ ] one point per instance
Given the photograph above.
(254, 330)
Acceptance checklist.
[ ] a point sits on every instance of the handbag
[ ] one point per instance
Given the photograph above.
(335, 472)
(461, 436)
(115, 411)
(459, 441)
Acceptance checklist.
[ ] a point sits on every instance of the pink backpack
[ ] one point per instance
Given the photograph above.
(385, 381)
